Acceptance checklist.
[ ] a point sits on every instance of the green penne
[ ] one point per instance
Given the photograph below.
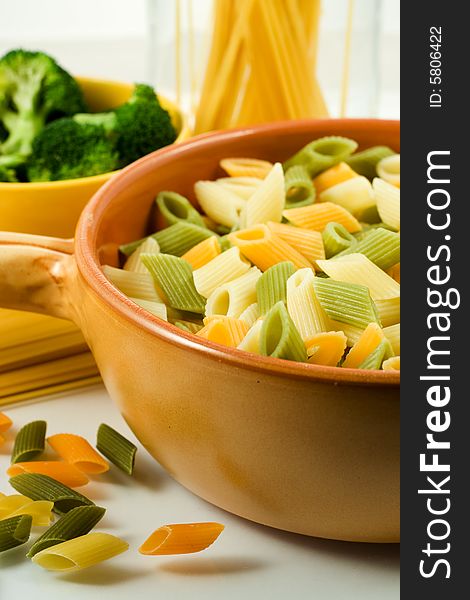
(188, 326)
(175, 277)
(42, 487)
(119, 450)
(365, 162)
(78, 521)
(322, 153)
(271, 287)
(279, 337)
(299, 187)
(348, 303)
(380, 246)
(131, 247)
(175, 208)
(29, 441)
(377, 356)
(336, 238)
(15, 531)
(181, 237)
(225, 243)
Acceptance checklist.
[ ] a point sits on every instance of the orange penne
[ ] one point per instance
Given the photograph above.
(317, 216)
(265, 249)
(393, 272)
(5, 422)
(309, 243)
(181, 538)
(326, 348)
(246, 167)
(367, 343)
(332, 176)
(202, 253)
(223, 330)
(77, 450)
(64, 472)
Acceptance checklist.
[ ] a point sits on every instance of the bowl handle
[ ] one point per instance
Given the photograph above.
(36, 274)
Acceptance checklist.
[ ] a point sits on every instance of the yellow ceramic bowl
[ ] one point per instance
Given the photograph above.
(53, 208)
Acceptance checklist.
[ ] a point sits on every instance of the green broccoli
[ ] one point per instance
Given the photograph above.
(65, 149)
(34, 90)
(138, 127)
(9, 166)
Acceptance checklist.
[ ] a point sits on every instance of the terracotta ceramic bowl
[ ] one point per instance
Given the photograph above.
(304, 448)
(53, 207)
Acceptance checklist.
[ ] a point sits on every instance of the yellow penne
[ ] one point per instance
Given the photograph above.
(40, 511)
(219, 203)
(181, 538)
(77, 451)
(134, 284)
(354, 194)
(309, 243)
(223, 268)
(9, 504)
(317, 217)
(250, 343)
(267, 201)
(250, 314)
(232, 298)
(303, 306)
(391, 364)
(246, 167)
(156, 308)
(326, 348)
(264, 249)
(223, 330)
(202, 253)
(392, 333)
(388, 311)
(80, 552)
(387, 197)
(388, 169)
(357, 268)
(242, 186)
(367, 343)
(332, 176)
(133, 263)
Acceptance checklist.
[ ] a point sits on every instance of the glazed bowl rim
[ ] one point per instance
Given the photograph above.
(89, 267)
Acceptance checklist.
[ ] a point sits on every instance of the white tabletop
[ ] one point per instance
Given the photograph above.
(248, 560)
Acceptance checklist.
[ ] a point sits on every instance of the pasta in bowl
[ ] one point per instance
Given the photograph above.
(309, 448)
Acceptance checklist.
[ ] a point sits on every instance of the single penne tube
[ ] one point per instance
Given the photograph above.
(64, 472)
(267, 201)
(118, 449)
(133, 283)
(77, 451)
(5, 422)
(272, 286)
(202, 253)
(246, 167)
(174, 207)
(232, 298)
(39, 510)
(322, 154)
(250, 343)
(307, 242)
(367, 343)
(219, 203)
(332, 176)
(392, 333)
(181, 538)
(8, 504)
(326, 348)
(388, 169)
(133, 263)
(242, 186)
(181, 237)
(223, 268)
(317, 217)
(156, 308)
(365, 162)
(80, 552)
(29, 441)
(355, 195)
(381, 246)
(388, 311)
(336, 239)
(357, 268)
(279, 337)
(227, 331)
(14, 532)
(299, 187)
(391, 364)
(264, 249)
(251, 314)
(303, 305)
(387, 197)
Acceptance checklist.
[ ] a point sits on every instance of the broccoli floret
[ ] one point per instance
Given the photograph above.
(34, 90)
(65, 149)
(7, 174)
(139, 126)
(10, 166)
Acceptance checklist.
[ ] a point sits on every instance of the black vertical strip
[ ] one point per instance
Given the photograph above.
(435, 118)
